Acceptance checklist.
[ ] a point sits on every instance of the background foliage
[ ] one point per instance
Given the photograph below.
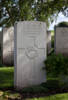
(56, 65)
(20, 10)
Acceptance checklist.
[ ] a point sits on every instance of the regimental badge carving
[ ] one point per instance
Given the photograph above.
(31, 52)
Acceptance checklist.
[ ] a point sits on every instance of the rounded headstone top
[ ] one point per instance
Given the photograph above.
(63, 24)
(23, 22)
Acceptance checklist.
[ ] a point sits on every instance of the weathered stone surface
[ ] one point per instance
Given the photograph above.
(8, 46)
(30, 53)
(48, 41)
(61, 40)
(0, 37)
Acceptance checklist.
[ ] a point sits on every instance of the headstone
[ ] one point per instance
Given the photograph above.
(0, 37)
(29, 53)
(48, 41)
(8, 46)
(1, 46)
(61, 40)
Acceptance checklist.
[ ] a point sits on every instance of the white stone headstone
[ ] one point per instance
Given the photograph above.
(8, 46)
(29, 53)
(1, 37)
(61, 40)
(48, 42)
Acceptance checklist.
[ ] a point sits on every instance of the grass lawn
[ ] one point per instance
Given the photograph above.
(54, 97)
(6, 77)
(52, 33)
(6, 83)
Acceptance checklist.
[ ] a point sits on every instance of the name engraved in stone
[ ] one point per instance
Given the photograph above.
(32, 32)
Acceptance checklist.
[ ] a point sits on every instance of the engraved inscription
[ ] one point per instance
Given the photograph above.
(31, 37)
(31, 48)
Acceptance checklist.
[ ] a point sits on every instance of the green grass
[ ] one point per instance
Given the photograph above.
(54, 97)
(6, 77)
(6, 81)
(52, 33)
